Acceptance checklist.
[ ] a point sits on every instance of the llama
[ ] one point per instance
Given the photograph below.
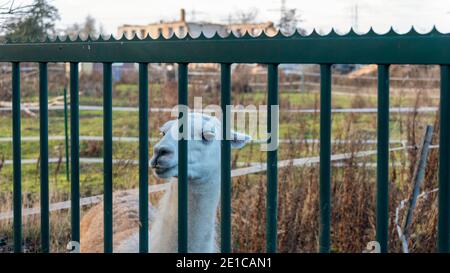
(203, 194)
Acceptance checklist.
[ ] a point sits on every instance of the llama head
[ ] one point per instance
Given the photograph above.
(203, 135)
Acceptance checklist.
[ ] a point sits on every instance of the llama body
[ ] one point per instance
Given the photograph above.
(201, 223)
(203, 193)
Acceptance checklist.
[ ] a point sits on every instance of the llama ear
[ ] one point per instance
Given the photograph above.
(238, 140)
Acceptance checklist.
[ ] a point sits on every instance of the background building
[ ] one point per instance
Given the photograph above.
(182, 27)
(167, 29)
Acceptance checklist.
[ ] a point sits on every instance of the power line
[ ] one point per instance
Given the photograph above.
(355, 16)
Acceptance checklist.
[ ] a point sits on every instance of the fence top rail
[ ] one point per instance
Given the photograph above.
(388, 48)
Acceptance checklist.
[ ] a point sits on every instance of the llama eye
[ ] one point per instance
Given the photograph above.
(204, 138)
(208, 136)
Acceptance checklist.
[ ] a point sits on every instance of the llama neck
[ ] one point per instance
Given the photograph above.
(202, 214)
(203, 198)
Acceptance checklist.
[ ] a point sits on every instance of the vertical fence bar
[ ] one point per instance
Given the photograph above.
(107, 159)
(143, 157)
(17, 171)
(43, 129)
(74, 154)
(183, 159)
(66, 134)
(225, 160)
(444, 163)
(272, 159)
(383, 158)
(325, 158)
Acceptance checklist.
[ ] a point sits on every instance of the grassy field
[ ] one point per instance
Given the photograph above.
(353, 185)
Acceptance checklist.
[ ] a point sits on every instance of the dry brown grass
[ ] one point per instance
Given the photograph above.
(353, 197)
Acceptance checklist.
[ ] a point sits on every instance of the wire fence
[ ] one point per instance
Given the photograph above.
(257, 167)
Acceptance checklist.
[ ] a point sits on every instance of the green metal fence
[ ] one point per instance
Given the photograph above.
(370, 48)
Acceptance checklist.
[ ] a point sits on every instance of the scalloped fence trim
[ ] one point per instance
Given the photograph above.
(333, 33)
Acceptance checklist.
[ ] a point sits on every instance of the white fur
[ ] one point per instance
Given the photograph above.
(203, 187)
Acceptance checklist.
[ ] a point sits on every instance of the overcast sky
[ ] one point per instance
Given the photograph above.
(321, 14)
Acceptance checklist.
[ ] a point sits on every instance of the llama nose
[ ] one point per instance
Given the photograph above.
(159, 151)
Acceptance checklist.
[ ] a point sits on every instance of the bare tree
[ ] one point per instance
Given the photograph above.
(33, 22)
(88, 27)
(246, 16)
(10, 9)
(289, 21)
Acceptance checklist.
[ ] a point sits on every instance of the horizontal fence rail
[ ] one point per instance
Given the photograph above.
(409, 48)
(370, 48)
